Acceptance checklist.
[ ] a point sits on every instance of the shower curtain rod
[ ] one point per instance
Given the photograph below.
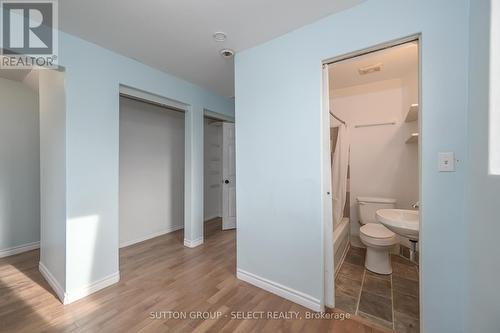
(334, 116)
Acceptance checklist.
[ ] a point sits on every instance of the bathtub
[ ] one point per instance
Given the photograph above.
(340, 242)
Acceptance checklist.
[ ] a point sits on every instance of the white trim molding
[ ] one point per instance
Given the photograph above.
(70, 297)
(193, 243)
(218, 116)
(19, 249)
(91, 288)
(153, 235)
(52, 281)
(151, 98)
(281, 290)
(494, 99)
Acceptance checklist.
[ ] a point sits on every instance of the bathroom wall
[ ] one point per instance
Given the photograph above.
(409, 83)
(212, 203)
(381, 163)
(19, 167)
(151, 171)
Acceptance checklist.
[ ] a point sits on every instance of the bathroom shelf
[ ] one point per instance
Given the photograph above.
(412, 114)
(413, 138)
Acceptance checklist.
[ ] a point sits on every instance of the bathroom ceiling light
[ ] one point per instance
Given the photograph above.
(370, 69)
(226, 53)
(219, 36)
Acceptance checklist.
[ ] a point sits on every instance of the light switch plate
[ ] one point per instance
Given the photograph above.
(446, 162)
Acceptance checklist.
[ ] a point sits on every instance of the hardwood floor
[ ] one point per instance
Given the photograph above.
(157, 276)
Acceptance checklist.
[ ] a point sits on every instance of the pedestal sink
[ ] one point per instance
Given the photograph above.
(401, 221)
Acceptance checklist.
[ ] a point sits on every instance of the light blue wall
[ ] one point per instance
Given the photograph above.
(93, 76)
(483, 190)
(53, 177)
(278, 156)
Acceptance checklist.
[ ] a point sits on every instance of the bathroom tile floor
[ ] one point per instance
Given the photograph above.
(389, 300)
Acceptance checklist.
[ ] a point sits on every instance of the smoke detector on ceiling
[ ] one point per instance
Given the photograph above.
(219, 36)
(370, 69)
(227, 53)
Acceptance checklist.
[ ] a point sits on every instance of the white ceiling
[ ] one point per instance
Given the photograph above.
(397, 62)
(175, 36)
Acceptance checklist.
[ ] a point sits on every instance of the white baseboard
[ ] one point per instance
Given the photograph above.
(54, 284)
(19, 249)
(281, 290)
(153, 235)
(72, 296)
(193, 243)
(91, 288)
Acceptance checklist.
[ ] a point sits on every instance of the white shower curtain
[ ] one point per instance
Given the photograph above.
(340, 164)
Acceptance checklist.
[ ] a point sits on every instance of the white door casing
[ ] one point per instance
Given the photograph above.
(326, 188)
(228, 177)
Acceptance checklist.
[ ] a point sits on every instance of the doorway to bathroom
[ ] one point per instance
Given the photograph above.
(371, 173)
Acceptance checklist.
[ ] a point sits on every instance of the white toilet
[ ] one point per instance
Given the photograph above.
(377, 238)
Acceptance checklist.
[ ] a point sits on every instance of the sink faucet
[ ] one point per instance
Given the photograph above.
(416, 205)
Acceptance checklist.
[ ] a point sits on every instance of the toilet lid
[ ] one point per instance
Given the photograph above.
(376, 230)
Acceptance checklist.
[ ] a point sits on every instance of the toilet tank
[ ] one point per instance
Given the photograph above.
(367, 206)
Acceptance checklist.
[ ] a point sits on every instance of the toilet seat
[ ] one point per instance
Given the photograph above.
(377, 234)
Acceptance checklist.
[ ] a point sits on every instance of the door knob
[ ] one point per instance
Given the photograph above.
(226, 181)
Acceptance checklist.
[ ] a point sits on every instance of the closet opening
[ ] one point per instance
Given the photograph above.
(33, 175)
(20, 209)
(151, 170)
(219, 197)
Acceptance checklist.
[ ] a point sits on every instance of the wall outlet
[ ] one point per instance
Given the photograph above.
(446, 162)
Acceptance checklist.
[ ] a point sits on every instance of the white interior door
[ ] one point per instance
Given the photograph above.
(228, 177)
